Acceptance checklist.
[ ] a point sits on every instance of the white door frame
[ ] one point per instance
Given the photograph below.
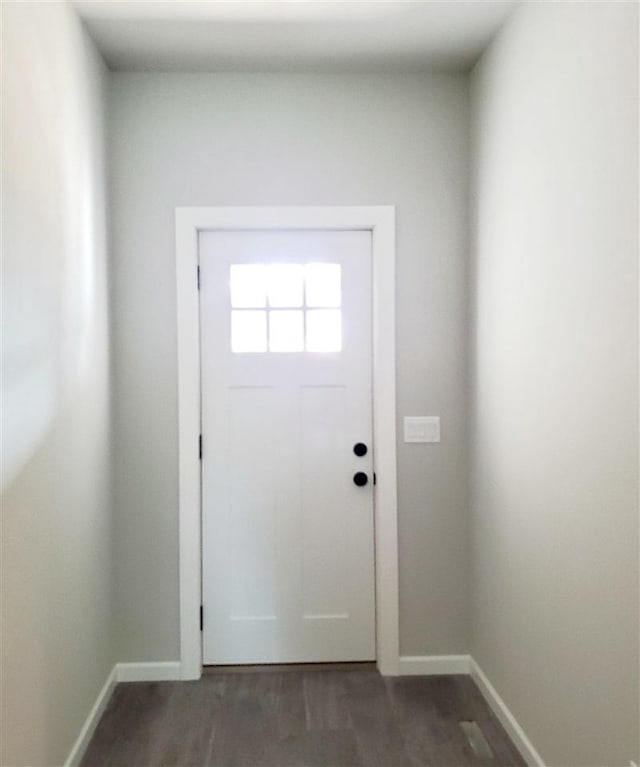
(380, 221)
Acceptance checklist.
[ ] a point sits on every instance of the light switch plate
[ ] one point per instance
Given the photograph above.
(422, 428)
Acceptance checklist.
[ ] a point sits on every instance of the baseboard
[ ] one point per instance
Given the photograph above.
(91, 722)
(408, 665)
(507, 719)
(121, 672)
(426, 665)
(164, 671)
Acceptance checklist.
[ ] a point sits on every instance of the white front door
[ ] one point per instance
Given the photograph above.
(287, 534)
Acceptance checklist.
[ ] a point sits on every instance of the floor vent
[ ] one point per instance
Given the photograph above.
(477, 741)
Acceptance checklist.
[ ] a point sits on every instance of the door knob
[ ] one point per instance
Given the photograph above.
(360, 449)
(360, 479)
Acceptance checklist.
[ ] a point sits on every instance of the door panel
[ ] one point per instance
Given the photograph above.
(251, 485)
(288, 570)
(324, 528)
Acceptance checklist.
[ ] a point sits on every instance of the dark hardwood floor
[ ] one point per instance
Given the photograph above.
(299, 717)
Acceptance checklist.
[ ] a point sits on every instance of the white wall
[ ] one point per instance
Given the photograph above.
(555, 377)
(56, 636)
(291, 140)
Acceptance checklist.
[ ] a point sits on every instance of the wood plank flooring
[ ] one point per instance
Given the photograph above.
(299, 717)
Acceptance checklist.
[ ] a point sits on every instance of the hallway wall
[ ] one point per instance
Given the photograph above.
(56, 497)
(273, 139)
(555, 377)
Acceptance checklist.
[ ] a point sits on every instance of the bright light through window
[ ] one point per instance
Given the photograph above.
(324, 330)
(323, 285)
(286, 331)
(303, 312)
(248, 286)
(285, 285)
(248, 331)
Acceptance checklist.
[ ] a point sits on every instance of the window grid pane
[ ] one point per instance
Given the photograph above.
(248, 331)
(303, 312)
(324, 330)
(248, 286)
(286, 330)
(322, 285)
(285, 285)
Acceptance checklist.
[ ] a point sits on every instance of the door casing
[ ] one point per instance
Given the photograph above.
(380, 221)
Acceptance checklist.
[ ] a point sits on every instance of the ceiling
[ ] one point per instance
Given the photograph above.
(293, 36)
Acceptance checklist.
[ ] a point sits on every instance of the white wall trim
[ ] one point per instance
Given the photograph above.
(506, 718)
(121, 672)
(91, 722)
(407, 665)
(381, 222)
(428, 665)
(163, 671)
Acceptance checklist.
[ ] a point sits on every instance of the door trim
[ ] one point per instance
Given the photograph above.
(380, 221)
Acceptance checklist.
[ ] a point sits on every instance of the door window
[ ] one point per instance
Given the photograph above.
(286, 307)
